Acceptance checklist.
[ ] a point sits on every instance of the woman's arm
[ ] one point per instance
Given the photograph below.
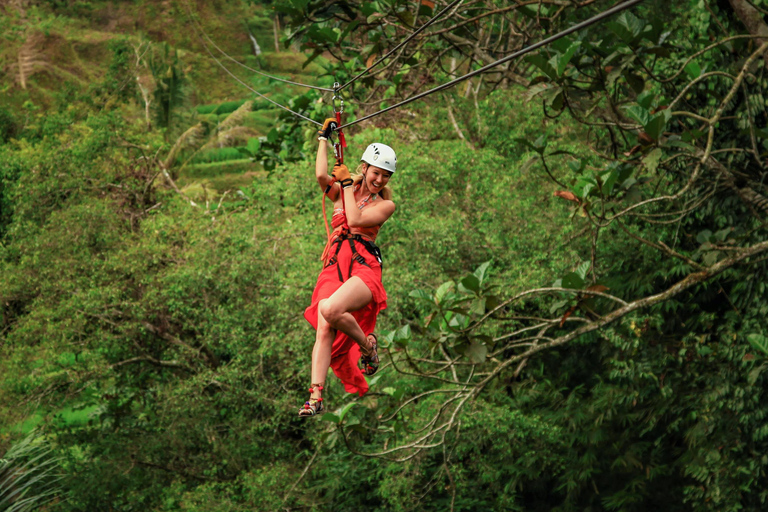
(321, 161)
(373, 215)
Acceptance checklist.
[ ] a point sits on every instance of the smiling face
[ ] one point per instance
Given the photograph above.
(375, 178)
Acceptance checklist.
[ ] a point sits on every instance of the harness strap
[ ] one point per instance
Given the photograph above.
(356, 256)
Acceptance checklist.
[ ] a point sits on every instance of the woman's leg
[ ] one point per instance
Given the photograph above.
(321, 353)
(336, 310)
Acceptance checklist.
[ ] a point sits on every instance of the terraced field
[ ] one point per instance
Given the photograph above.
(75, 45)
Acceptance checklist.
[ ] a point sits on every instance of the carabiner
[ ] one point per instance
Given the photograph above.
(337, 96)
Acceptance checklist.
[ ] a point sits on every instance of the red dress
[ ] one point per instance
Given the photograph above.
(339, 266)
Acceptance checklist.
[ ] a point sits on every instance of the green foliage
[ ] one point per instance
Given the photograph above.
(161, 345)
(120, 80)
(8, 126)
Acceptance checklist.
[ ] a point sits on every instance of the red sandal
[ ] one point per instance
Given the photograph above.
(370, 363)
(312, 406)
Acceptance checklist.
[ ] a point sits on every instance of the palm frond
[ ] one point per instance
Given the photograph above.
(189, 139)
(237, 117)
(28, 476)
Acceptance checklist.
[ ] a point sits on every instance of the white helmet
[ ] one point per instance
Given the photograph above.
(381, 156)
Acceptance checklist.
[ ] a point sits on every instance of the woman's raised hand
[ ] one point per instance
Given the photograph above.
(329, 126)
(341, 174)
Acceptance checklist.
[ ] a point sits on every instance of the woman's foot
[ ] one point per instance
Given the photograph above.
(369, 361)
(314, 405)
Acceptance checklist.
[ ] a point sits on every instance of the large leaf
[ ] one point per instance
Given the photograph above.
(477, 352)
(471, 283)
(627, 26)
(565, 58)
(442, 292)
(758, 342)
(481, 271)
(656, 124)
(573, 280)
(543, 64)
(638, 113)
(421, 294)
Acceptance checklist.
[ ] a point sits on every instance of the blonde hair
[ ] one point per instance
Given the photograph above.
(357, 177)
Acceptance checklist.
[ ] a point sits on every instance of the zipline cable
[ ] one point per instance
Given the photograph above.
(577, 27)
(254, 90)
(199, 28)
(403, 43)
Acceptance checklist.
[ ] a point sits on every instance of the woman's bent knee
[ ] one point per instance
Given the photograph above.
(330, 312)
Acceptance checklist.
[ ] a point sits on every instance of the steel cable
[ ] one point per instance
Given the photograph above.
(254, 90)
(575, 28)
(199, 28)
(403, 43)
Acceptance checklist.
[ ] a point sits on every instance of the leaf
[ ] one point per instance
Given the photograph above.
(758, 342)
(543, 64)
(395, 393)
(491, 302)
(478, 306)
(553, 97)
(565, 58)
(567, 314)
(577, 166)
(655, 126)
(442, 291)
(573, 280)
(711, 258)
(471, 282)
(557, 305)
(645, 99)
(584, 185)
(329, 416)
(627, 26)
(609, 180)
(635, 81)
(582, 269)
(651, 160)
(480, 272)
(535, 90)
(402, 335)
(693, 69)
(540, 144)
(421, 294)
(477, 352)
(253, 145)
(345, 410)
(704, 236)
(721, 235)
(373, 380)
(638, 113)
(567, 195)
(755, 374)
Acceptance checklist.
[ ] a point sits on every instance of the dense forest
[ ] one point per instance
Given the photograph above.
(576, 268)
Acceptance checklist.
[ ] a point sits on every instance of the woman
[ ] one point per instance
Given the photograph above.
(349, 294)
